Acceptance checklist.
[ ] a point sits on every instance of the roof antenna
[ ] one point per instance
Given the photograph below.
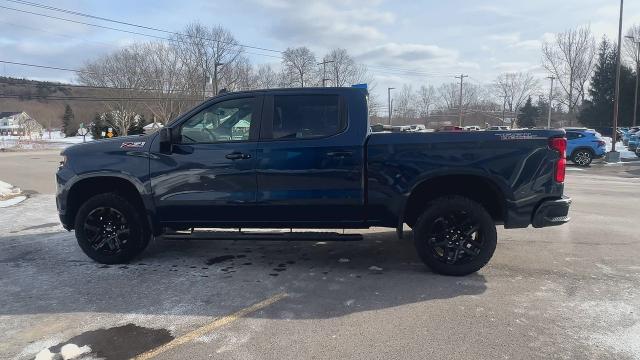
(222, 91)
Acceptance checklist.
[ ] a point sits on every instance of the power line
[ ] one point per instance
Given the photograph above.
(123, 30)
(77, 13)
(90, 98)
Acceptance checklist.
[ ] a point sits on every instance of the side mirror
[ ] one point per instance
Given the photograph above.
(167, 139)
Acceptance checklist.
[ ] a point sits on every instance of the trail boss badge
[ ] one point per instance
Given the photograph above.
(132, 144)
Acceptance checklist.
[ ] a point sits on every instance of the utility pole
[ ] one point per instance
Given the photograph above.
(613, 155)
(389, 108)
(215, 77)
(550, 99)
(635, 100)
(324, 71)
(461, 77)
(504, 105)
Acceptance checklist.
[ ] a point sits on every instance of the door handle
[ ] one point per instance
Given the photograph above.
(238, 156)
(340, 153)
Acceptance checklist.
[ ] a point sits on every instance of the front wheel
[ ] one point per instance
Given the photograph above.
(455, 236)
(582, 157)
(110, 230)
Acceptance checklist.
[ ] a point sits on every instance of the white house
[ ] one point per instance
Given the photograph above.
(18, 123)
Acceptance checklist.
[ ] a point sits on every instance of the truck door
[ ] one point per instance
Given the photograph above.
(309, 168)
(209, 178)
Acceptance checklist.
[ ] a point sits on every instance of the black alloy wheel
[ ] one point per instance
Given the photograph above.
(455, 236)
(110, 229)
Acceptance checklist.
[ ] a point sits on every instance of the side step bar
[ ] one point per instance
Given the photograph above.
(207, 234)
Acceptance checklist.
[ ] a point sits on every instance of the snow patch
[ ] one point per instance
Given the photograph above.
(624, 153)
(10, 195)
(72, 351)
(45, 355)
(12, 201)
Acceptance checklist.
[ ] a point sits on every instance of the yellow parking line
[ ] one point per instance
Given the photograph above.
(216, 324)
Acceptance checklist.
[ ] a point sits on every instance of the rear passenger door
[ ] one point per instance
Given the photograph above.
(309, 168)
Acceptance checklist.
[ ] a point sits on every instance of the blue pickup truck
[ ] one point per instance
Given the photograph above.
(306, 158)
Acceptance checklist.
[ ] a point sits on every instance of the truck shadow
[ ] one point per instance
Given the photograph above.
(47, 273)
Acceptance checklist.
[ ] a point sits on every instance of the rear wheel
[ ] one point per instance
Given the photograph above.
(582, 157)
(110, 230)
(455, 236)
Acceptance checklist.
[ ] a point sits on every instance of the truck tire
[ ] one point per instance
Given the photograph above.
(111, 230)
(455, 236)
(582, 157)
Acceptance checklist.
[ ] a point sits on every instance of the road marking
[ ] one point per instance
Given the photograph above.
(216, 324)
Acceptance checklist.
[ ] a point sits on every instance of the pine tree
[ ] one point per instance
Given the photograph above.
(597, 112)
(67, 121)
(528, 115)
(137, 125)
(97, 127)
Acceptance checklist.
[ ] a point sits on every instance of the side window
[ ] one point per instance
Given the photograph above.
(306, 116)
(221, 122)
(572, 135)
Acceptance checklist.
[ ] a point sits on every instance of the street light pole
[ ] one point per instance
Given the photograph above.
(613, 155)
(389, 108)
(635, 100)
(550, 99)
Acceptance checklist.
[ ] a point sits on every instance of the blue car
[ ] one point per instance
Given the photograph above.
(627, 134)
(634, 141)
(584, 145)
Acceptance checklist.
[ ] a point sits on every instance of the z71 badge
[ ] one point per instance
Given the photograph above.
(132, 144)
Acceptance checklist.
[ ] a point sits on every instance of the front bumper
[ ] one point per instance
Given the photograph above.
(552, 213)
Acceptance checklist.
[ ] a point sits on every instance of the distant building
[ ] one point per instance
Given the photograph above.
(18, 123)
(152, 127)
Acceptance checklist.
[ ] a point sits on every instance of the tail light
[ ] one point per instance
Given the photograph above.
(601, 143)
(560, 145)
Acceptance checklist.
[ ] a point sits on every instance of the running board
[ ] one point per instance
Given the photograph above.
(202, 234)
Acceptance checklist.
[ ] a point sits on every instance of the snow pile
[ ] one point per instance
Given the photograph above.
(624, 153)
(9, 195)
(55, 141)
(67, 352)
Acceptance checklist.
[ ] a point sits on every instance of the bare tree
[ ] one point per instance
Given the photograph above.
(515, 89)
(570, 57)
(342, 70)
(404, 107)
(164, 71)
(264, 77)
(426, 99)
(299, 66)
(207, 52)
(124, 70)
(449, 95)
(631, 47)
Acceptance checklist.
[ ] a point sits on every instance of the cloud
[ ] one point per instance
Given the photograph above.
(329, 23)
(409, 53)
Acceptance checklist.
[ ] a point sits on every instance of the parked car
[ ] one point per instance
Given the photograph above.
(584, 145)
(472, 128)
(451, 128)
(498, 128)
(627, 135)
(308, 160)
(632, 144)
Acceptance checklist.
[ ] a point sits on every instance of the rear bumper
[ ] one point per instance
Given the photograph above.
(552, 213)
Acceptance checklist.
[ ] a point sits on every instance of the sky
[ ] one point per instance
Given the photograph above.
(433, 40)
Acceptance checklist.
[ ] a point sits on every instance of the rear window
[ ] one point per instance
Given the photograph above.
(306, 116)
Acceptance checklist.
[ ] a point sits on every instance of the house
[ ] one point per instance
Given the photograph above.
(18, 123)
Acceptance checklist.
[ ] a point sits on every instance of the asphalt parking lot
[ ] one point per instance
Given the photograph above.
(571, 292)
